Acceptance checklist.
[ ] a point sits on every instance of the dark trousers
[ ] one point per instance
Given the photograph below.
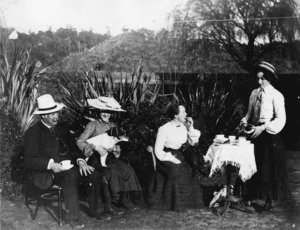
(68, 180)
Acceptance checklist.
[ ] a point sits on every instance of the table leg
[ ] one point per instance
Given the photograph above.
(230, 198)
(222, 210)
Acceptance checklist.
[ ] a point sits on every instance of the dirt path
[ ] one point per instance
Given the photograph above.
(16, 215)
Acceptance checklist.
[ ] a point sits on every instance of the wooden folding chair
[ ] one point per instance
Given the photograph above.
(42, 197)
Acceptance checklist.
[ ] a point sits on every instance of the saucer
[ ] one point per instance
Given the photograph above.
(235, 142)
(67, 167)
(244, 142)
(220, 140)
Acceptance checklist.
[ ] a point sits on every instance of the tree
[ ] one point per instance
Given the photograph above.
(124, 52)
(180, 52)
(246, 30)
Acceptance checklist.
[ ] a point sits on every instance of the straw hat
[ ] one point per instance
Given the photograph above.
(268, 67)
(46, 105)
(106, 103)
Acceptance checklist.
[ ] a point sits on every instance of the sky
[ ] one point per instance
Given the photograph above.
(99, 15)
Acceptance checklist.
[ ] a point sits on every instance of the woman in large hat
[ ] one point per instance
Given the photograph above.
(266, 112)
(123, 178)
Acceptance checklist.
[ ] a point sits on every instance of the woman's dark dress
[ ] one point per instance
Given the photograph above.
(173, 186)
(271, 179)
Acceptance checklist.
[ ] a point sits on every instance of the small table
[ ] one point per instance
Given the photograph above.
(240, 155)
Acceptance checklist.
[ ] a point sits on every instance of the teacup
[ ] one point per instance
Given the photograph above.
(242, 140)
(66, 163)
(232, 138)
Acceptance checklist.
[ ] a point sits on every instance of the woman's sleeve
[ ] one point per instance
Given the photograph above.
(160, 144)
(276, 125)
(87, 133)
(193, 136)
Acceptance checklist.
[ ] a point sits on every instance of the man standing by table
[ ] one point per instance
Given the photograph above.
(266, 112)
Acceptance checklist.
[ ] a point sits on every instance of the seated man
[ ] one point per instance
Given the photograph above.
(46, 145)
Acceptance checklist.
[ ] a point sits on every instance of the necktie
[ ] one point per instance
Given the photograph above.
(258, 105)
(260, 95)
(52, 129)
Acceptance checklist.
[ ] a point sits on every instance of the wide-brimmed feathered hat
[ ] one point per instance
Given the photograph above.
(267, 67)
(46, 105)
(105, 104)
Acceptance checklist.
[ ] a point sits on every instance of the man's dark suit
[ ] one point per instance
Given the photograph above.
(41, 145)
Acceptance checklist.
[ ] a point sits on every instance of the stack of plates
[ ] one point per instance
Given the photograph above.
(221, 140)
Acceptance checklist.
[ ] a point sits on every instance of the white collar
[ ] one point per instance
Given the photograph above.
(48, 126)
(268, 88)
(175, 124)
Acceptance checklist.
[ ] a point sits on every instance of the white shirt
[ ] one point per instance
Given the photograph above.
(103, 160)
(173, 136)
(272, 110)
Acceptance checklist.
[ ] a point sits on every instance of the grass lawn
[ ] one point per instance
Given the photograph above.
(17, 216)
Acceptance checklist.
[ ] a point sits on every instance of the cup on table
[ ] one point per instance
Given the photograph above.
(232, 138)
(242, 140)
(66, 163)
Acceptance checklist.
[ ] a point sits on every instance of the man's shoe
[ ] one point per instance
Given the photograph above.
(132, 206)
(75, 224)
(103, 216)
(268, 206)
(112, 212)
(247, 203)
(125, 206)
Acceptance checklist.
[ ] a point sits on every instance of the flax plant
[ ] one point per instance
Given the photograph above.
(133, 91)
(19, 81)
(215, 111)
(131, 88)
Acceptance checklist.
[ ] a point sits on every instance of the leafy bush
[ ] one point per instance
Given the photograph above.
(141, 127)
(12, 167)
(216, 113)
(208, 103)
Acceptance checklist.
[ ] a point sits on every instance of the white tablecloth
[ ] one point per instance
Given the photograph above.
(239, 155)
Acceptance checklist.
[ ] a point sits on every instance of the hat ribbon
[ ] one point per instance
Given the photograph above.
(53, 107)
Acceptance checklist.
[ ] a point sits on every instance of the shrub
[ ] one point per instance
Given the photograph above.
(19, 79)
(208, 103)
(12, 167)
(141, 127)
